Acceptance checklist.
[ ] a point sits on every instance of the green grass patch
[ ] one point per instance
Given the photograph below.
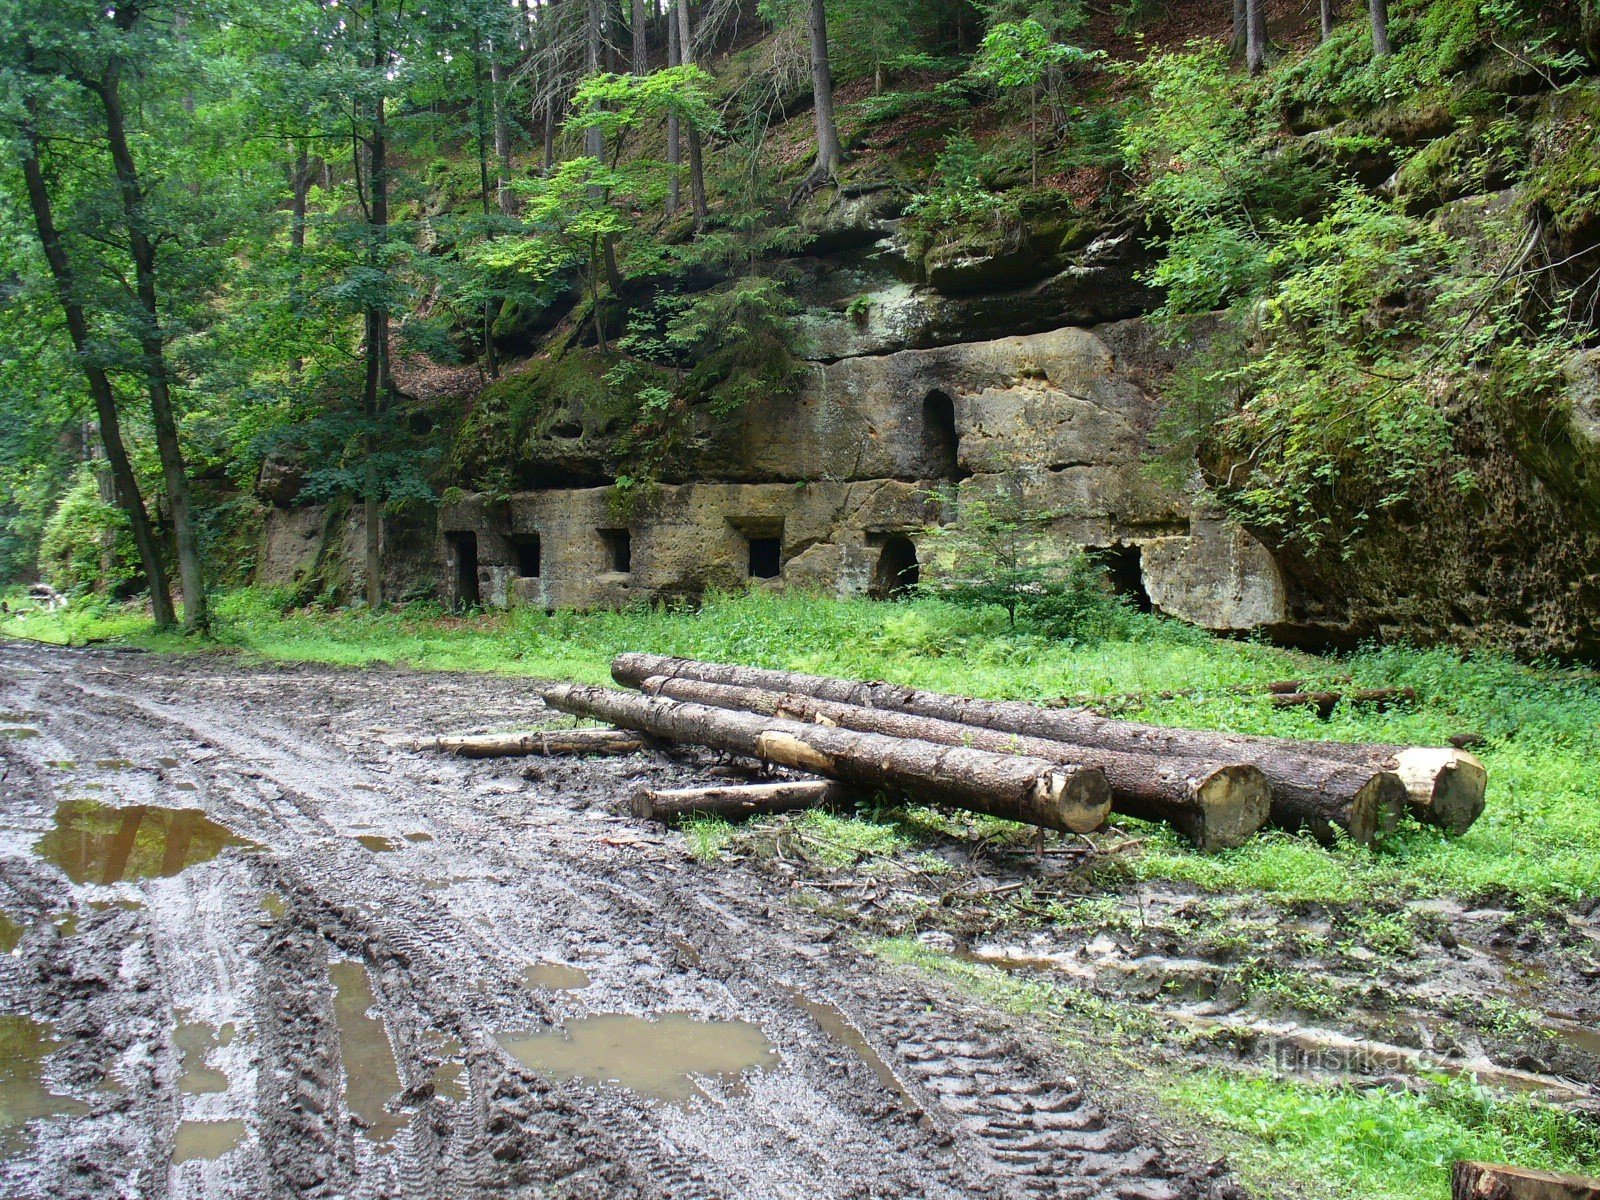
(1539, 841)
(1377, 1143)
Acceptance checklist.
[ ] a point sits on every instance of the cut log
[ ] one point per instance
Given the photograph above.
(1495, 1181)
(537, 741)
(1053, 795)
(1320, 794)
(1444, 786)
(736, 802)
(1214, 804)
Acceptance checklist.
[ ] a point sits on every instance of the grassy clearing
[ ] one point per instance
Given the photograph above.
(1328, 1141)
(1539, 841)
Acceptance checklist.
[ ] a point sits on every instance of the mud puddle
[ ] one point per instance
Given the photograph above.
(101, 843)
(371, 1078)
(555, 977)
(10, 934)
(657, 1058)
(194, 1041)
(377, 843)
(24, 1045)
(206, 1140)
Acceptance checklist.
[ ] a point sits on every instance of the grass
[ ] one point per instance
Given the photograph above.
(1325, 1140)
(1538, 843)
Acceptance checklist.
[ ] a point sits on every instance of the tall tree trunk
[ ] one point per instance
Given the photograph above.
(1380, 28)
(502, 133)
(491, 365)
(1327, 19)
(105, 403)
(829, 155)
(593, 144)
(697, 172)
(641, 41)
(376, 384)
(674, 139)
(1255, 52)
(1241, 24)
(299, 191)
(152, 338)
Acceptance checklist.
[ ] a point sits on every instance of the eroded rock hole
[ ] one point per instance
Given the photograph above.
(464, 551)
(897, 572)
(941, 444)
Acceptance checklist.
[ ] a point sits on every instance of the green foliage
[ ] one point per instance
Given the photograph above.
(87, 544)
(964, 205)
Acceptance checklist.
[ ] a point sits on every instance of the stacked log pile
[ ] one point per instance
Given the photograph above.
(1216, 788)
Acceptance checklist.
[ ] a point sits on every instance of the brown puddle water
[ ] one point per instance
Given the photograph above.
(555, 977)
(194, 1039)
(419, 836)
(205, 1140)
(655, 1058)
(377, 843)
(274, 905)
(449, 1077)
(24, 1045)
(371, 1078)
(99, 843)
(10, 934)
(19, 732)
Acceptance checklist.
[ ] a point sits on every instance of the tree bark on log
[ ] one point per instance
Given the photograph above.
(738, 801)
(1494, 1181)
(537, 741)
(1215, 805)
(1321, 794)
(1054, 795)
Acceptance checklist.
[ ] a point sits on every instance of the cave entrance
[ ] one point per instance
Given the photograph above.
(896, 574)
(464, 550)
(1124, 568)
(941, 445)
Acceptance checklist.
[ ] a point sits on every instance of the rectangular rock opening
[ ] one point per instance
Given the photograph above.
(766, 557)
(529, 555)
(463, 545)
(618, 544)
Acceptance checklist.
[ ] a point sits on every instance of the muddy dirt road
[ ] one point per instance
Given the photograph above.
(345, 969)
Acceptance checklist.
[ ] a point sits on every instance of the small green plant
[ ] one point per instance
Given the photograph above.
(995, 554)
(707, 838)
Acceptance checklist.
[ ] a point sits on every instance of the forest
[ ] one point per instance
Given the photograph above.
(1092, 508)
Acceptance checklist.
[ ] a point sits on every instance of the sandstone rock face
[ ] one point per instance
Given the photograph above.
(1218, 577)
(832, 492)
(1582, 372)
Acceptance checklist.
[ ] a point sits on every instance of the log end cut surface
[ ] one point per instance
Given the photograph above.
(1234, 802)
(1446, 786)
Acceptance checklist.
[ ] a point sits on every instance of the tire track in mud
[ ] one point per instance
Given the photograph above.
(513, 875)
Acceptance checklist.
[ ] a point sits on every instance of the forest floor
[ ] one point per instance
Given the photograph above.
(259, 947)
